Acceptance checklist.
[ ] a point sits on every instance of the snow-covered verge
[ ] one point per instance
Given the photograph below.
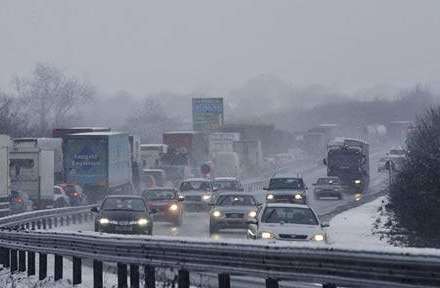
(357, 227)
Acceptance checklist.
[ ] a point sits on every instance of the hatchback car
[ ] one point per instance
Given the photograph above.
(123, 215)
(286, 190)
(197, 192)
(290, 222)
(167, 203)
(328, 188)
(232, 210)
(75, 194)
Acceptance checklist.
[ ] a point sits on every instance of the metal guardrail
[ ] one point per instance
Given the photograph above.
(270, 261)
(33, 219)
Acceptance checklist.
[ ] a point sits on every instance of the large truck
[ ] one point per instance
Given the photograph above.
(99, 162)
(54, 144)
(61, 132)
(348, 159)
(5, 143)
(250, 156)
(151, 153)
(222, 142)
(31, 170)
(192, 143)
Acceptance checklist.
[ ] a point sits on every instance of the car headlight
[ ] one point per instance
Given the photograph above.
(206, 197)
(266, 235)
(216, 214)
(357, 181)
(104, 221)
(269, 197)
(319, 237)
(173, 207)
(298, 197)
(142, 222)
(252, 214)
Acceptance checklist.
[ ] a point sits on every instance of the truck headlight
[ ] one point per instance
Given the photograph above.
(104, 221)
(298, 197)
(357, 181)
(319, 237)
(206, 197)
(266, 235)
(142, 222)
(269, 197)
(252, 214)
(216, 214)
(173, 207)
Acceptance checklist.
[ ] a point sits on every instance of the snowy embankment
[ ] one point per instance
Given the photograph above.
(356, 229)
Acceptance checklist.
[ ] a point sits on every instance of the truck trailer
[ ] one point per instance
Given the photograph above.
(99, 162)
(5, 143)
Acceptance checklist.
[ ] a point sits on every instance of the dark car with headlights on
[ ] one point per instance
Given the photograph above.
(328, 188)
(198, 193)
(123, 215)
(286, 190)
(232, 210)
(167, 203)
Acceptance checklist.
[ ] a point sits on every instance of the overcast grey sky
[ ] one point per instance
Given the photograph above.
(146, 46)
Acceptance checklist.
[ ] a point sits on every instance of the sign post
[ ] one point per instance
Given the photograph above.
(207, 114)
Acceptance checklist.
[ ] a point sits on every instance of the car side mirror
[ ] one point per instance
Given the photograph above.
(324, 161)
(325, 225)
(94, 210)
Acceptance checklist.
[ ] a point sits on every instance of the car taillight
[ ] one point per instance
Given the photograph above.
(18, 200)
(76, 194)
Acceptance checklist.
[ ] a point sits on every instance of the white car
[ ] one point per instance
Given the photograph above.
(198, 193)
(289, 222)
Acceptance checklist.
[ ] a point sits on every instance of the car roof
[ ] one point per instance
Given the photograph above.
(197, 179)
(153, 170)
(329, 177)
(235, 193)
(286, 177)
(287, 205)
(124, 196)
(161, 189)
(226, 179)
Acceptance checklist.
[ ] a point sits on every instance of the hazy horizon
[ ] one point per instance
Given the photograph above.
(200, 46)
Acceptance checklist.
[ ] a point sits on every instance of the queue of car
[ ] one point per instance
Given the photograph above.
(284, 215)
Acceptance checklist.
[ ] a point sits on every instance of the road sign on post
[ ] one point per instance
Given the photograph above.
(207, 114)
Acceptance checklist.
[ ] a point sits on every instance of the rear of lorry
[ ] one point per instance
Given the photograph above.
(99, 162)
(4, 175)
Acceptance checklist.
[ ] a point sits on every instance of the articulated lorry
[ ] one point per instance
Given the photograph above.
(99, 162)
(348, 159)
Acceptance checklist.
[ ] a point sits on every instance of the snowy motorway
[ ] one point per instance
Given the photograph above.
(197, 224)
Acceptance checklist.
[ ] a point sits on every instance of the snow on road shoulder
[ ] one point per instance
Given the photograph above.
(355, 227)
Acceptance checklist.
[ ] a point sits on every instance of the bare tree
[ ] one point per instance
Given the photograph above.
(50, 97)
(150, 121)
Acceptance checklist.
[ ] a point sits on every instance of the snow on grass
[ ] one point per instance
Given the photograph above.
(356, 228)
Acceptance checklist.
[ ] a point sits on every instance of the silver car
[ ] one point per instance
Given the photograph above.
(198, 193)
(289, 222)
(232, 210)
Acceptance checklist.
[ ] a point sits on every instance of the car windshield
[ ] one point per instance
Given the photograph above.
(286, 183)
(224, 185)
(129, 204)
(160, 194)
(327, 181)
(236, 200)
(397, 152)
(195, 186)
(291, 215)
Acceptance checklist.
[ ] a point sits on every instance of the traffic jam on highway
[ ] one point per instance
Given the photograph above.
(199, 183)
